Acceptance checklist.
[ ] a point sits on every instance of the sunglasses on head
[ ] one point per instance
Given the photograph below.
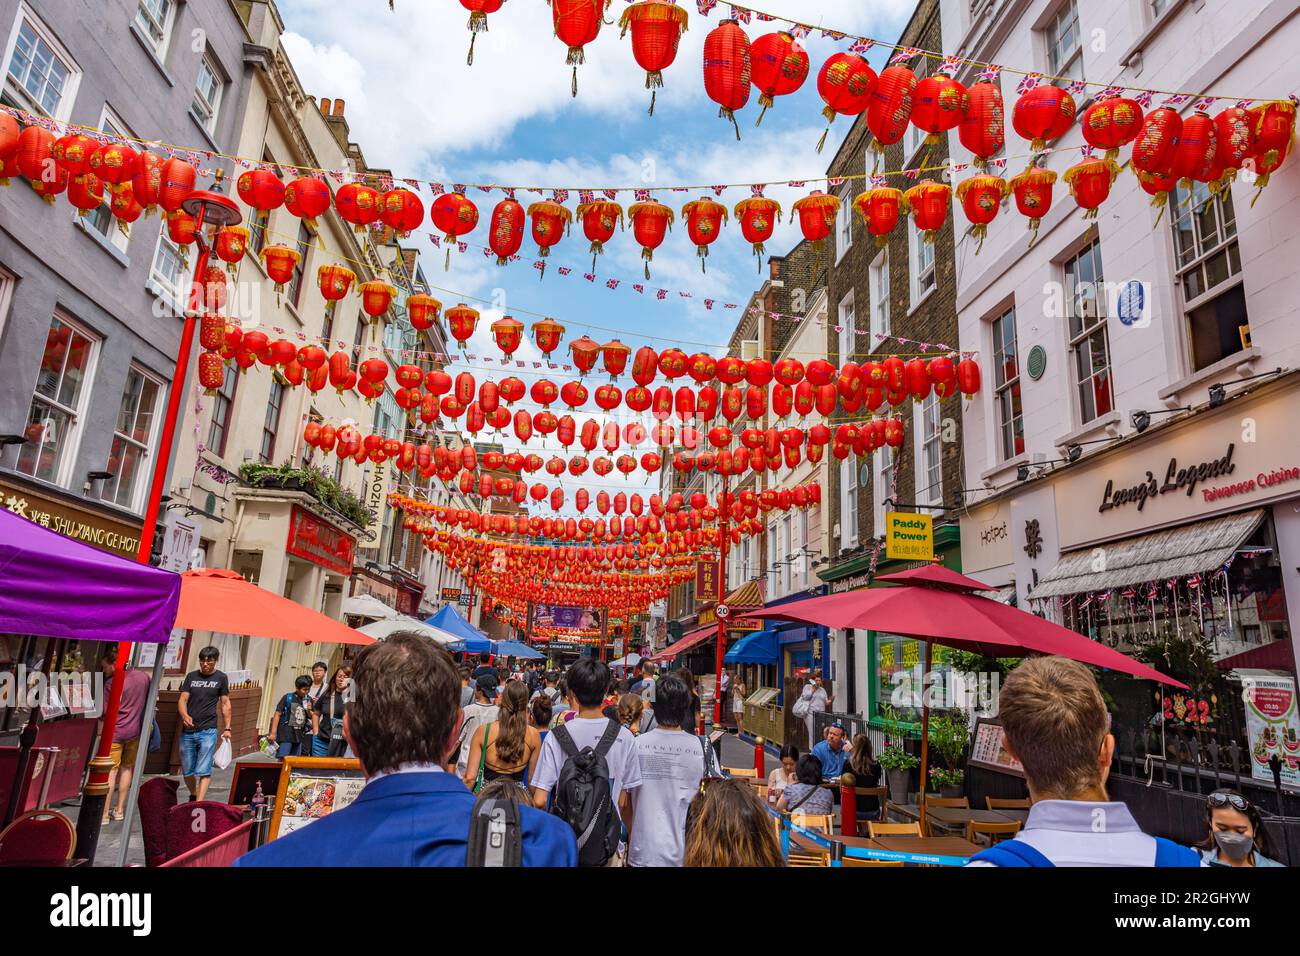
(1235, 800)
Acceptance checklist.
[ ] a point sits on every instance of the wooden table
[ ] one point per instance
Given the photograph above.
(932, 846)
(1020, 816)
(958, 817)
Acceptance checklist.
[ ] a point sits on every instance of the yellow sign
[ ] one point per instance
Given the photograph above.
(909, 537)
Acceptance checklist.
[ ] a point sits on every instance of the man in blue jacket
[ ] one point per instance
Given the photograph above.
(403, 724)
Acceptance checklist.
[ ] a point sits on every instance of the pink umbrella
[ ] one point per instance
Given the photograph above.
(938, 605)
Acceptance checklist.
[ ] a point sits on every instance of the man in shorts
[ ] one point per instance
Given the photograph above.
(204, 692)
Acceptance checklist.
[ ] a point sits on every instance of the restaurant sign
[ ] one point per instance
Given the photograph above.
(79, 524)
(451, 595)
(319, 542)
(709, 618)
(909, 537)
(706, 581)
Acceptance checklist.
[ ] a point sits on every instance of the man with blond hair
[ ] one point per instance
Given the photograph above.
(1058, 727)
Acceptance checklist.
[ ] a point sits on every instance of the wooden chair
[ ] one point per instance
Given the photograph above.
(994, 803)
(953, 803)
(995, 832)
(742, 772)
(38, 836)
(875, 829)
(808, 856)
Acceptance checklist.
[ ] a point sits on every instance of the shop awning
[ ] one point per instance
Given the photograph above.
(1176, 553)
(760, 648)
(692, 639)
(749, 594)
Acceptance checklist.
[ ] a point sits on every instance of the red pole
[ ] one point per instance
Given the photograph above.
(722, 593)
(96, 789)
(760, 758)
(848, 805)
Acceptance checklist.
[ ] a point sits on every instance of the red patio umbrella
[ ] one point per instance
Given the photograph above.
(938, 605)
(220, 600)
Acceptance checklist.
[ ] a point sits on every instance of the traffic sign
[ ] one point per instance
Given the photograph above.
(723, 611)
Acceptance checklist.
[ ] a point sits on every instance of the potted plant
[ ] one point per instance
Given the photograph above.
(948, 739)
(947, 782)
(898, 764)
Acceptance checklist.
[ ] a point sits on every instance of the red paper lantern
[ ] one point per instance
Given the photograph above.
(585, 351)
(230, 245)
(1274, 138)
(778, 66)
(928, 201)
(1090, 183)
(506, 229)
(1111, 123)
(845, 84)
(983, 127)
(651, 221)
(35, 153)
(599, 220)
(261, 189)
(615, 354)
(1033, 192)
(758, 217)
(334, 282)
(547, 334)
(1235, 128)
(968, 377)
(879, 208)
(422, 310)
(178, 178)
(891, 106)
(577, 23)
(312, 357)
(280, 261)
(307, 198)
(1198, 146)
(573, 394)
(461, 320)
(454, 216)
(358, 204)
(943, 376)
(212, 372)
(657, 28)
(1043, 115)
(981, 198)
(146, 183)
(1153, 150)
(72, 152)
(672, 363)
(478, 20)
(727, 69)
(376, 297)
(550, 220)
(86, 192)
(817, 213)
(937, 106)
(704, 219)
(402, 211)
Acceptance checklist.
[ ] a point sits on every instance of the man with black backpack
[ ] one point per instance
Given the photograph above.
(588, 769)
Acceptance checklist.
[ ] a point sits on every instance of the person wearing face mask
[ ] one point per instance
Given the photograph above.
(1237, 835)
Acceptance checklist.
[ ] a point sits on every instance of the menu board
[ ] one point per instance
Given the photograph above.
(1273, 726)
(989, 749)
(311, 788)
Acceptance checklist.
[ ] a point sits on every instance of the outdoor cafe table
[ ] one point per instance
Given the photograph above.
(957, 818)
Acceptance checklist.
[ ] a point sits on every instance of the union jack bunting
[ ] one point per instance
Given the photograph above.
(589, 276)
(485, 189)
(705, 6)
(462, 246)
(1204, 105)
(799, 30)
(586, 195)
(951, 65)
(437, 188)
(905, 54)
(661, 294)
(1077, 88)
(740, 13)
(756, 190)
(1144, 99)
(1244, 104)
(1029, 82)
(638, 288)
(835, 182)
(610, 193)
(708, 303)
(797, 183)
(989, 73)
(1177, 99)
(458, 188)
(861, 45)
(611, 283)
(564, 270)
(560, 195)
(642, 195)
(1110, 91)
(718, 190)
(509, 191)
(539, 265)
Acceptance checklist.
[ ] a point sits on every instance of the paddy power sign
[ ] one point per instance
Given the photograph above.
(909, 537)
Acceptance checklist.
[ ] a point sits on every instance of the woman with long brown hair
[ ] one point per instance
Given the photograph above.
(328, 712)
(629, 711)
(727, 825)
(507, 747)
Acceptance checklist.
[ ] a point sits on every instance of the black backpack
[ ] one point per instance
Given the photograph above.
(496, 835)
(584, 799)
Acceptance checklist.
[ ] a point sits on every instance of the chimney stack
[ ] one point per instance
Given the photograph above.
(338, 107)
(325, 106)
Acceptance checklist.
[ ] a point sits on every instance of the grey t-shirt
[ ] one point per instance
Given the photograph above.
(672, 764)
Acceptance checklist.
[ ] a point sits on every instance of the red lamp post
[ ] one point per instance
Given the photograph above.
(210, 208)
(723, 538)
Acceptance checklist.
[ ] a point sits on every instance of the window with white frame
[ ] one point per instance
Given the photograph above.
(62, 389)
(915, 136)
(921, 265)
(223, 404)
(844, 224)
(787, 554)
(155, 18)
(6, 297)
(207, 93)
(883, 463)
(773, 556)
(799, 547)
(1006, 382)
(1208, 270)
(102, 221)
(170, 274)
(1064, 43)
(848, 503)
(1158, 7)
(927, 426)
(847, 321)
(879, 283)
(271, 423)
(1085, 300)
(41, 75)
(133, 438)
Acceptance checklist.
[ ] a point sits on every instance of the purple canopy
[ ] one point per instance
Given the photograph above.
(53, 586)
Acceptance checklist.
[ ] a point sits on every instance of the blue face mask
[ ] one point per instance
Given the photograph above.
(1235, 846)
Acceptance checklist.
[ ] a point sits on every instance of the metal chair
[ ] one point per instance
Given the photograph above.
(996, 832)
(38, 836)
(875, 829)
(995, 803)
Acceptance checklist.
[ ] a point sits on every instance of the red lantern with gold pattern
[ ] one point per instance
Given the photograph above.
(86, 193)
(615, 354)
(983, 127)
(376, 297)
(577, 23)
(308, 198)
(461, 321)
(1236, 135)
(879, 208)
(454, 216)
(928, 201)
(50, 184)
(230, 245)
(891, 105)
(778, 66)
(599, 219)
(1043, 115)
(212, 372)
(114, 164)
(657, 28)
(506, 229)
(651, 221)
(72, 152)
(704, 219)
(550, 222)
(402, 211)
(547, 334)
(146, 184)
(937, 106)
(422, 310)
(1033, 192)
(1111, 123)
(261, 189)
(758, 217)
(981, 198)
(816, 213)
(845, 84)
(943, 376)
(727, 69)
(1198, 146)
(1090, 183)
(585, 351)
(1153, 150)
(508, 333)
(358, 204)
(1274, 138)
(212, 331)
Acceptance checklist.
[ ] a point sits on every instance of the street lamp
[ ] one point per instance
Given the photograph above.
(210, 208)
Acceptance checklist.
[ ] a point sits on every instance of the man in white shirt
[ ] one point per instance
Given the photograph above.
(587, 681)
(672, 765)
(482, 711)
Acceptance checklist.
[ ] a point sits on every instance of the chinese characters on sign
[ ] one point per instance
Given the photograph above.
(706, 581)
(320, 543)
(909, 537)
(1033, 538)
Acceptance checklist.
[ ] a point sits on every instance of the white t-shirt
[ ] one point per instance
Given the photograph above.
(624, 767)
(476, 715)
(672, 763)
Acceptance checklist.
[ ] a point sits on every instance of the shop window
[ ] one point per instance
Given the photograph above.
(271, 423)
(102, 221)
(223, 404)
(1006, 375)
(1208, 271)
(62, 389)
(897, 680)
(879, 285)
(1085, 300)
(258, 221)
(1064, 43)
(358, 339)
(133, 439)
(154, 18)
(41, 76)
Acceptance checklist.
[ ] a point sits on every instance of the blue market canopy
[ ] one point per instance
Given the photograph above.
(472, 640)
(760, 648)
(517, 649)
